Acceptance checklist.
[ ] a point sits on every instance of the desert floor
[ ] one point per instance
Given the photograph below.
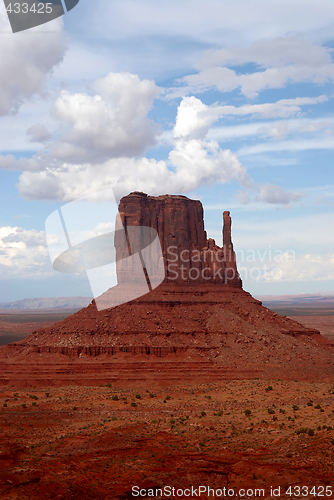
(99, 442)
(17, 325)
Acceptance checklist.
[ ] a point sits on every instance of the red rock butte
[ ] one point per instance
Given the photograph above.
(198, 325)
(187, 253)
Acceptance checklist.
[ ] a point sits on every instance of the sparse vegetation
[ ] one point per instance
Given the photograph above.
(183, 430)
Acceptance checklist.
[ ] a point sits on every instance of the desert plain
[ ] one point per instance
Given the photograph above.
(99, 440)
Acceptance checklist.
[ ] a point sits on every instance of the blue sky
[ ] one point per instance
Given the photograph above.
(227, 102)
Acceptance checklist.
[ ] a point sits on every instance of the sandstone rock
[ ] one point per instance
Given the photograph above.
(189, 257)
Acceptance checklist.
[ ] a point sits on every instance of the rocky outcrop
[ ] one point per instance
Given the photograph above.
(188, 256)
(201, 320)
(173, 318)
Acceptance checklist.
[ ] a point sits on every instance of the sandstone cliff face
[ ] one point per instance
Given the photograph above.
(188, 256)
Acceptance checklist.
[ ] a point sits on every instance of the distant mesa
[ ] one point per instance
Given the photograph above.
(47, 303)
(198, 325)
(303, 300)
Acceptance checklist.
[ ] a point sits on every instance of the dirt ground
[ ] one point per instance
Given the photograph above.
(16, 325)
(99, 442)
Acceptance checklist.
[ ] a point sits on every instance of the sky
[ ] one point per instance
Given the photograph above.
(228, 102)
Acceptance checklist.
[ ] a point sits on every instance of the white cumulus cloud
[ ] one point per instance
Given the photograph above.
(26, 60)
(102, 135)
(111, 123)
(23, 253)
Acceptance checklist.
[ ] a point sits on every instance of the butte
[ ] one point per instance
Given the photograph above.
(197, 326)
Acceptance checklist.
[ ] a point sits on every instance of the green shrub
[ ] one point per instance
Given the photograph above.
(269, 388)
(295, 407)
(133, 403)
(115, 398)
(311, 432)
(138, 396)
(271, 411)
(114, 418)
(317, 406)
(310, 403)
(172, 421)
(203, 413)
(301, 430)
(247, 413)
